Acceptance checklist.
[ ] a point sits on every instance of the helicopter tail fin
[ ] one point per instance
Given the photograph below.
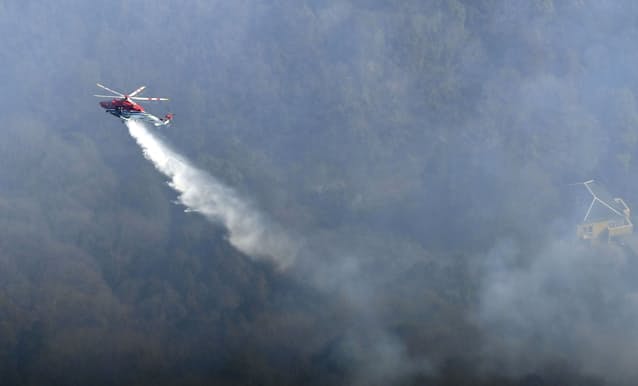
(167, 118)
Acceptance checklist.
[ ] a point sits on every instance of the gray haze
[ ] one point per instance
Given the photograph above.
(408, 165)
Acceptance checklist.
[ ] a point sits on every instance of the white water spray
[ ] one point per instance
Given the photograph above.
(200, 192)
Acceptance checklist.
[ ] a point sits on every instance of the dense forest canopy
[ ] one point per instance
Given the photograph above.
(421, 154)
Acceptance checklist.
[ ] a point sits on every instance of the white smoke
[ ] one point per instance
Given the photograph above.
(570, 302)
(200, 192)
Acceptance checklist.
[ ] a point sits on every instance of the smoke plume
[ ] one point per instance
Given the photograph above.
(571, 303)
(200, 192)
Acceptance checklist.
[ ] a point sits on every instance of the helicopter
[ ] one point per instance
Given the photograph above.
(124, 106)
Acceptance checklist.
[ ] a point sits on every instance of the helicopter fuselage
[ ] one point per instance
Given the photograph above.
(123, 107)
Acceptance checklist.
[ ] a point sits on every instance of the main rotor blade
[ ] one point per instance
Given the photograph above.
(148, 99)
(139, 90)
(108, 89)
(105, 96)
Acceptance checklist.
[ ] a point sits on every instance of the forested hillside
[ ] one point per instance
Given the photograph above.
(420, 153)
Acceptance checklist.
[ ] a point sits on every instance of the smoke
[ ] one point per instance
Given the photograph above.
(569, 303)
(200, 192)
(326, 269)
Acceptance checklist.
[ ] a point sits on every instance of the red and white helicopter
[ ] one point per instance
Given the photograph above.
(124, 107)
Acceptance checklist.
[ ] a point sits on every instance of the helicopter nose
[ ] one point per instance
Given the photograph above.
(104, 104)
